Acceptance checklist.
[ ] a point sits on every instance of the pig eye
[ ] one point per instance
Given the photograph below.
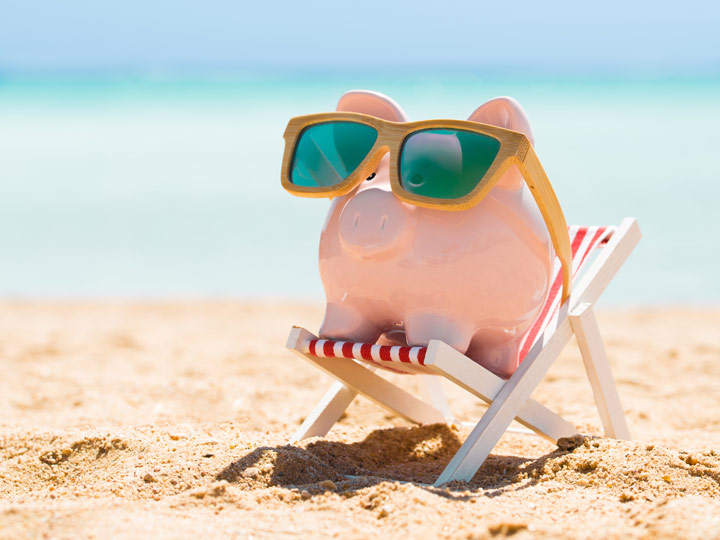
(370, 177)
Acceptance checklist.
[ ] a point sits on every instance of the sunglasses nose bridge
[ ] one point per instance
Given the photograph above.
(375, 157)
(380, 151)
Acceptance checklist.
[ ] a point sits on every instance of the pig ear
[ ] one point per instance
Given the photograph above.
(507, 113)
(372, 103)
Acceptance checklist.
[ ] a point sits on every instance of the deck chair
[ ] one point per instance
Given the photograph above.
(508, 399)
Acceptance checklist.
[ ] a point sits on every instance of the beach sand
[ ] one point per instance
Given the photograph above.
(171, 420)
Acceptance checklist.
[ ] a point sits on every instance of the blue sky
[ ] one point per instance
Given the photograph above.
(612, 35)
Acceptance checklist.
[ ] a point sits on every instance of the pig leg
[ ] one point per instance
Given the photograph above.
(496, 350)
(347, 324)
(422, 327)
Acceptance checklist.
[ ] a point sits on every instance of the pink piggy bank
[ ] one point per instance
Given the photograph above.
(475, 279)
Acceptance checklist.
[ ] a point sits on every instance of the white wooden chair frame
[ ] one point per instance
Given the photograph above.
(508, 399)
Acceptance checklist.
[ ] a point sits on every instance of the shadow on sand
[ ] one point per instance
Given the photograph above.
(415, 455)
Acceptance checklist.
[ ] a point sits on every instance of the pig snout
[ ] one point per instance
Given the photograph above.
(374, 223)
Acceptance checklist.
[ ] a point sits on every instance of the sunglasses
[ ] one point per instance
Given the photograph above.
(439, 164)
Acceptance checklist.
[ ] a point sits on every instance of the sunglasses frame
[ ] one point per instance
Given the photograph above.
(515, 149)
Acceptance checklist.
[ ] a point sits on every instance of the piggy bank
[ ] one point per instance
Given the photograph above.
(402, 274)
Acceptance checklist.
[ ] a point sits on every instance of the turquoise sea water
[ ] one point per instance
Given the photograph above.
(116, 187)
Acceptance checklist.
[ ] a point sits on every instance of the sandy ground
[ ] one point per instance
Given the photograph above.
(170, 420)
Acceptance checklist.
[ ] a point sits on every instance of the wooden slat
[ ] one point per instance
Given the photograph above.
(508, 402)
(326, 413)
(605, 392)
(480, 382)
(610, 259)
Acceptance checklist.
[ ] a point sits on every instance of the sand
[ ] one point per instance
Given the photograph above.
(171, 420)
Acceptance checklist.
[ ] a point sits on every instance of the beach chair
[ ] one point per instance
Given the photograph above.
(508, 399)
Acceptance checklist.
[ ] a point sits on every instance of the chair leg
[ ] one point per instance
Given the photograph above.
(432, 392)
(506, 406)
(584, 324)
(326, 413)
(477, 380)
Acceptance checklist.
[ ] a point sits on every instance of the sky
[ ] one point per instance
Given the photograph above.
(180, 35)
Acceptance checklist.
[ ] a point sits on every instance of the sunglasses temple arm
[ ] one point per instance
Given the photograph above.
(549, 206)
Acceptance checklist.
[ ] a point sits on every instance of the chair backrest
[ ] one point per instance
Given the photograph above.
(583, 241)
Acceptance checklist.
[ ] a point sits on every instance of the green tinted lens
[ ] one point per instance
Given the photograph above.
(445, 163)
(326, 154)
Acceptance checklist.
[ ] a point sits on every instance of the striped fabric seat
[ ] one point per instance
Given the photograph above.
(404, 359)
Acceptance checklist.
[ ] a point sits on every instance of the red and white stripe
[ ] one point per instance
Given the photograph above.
(325, 348)
(583, 240)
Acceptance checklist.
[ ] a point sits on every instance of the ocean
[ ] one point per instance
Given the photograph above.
(168, 187)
